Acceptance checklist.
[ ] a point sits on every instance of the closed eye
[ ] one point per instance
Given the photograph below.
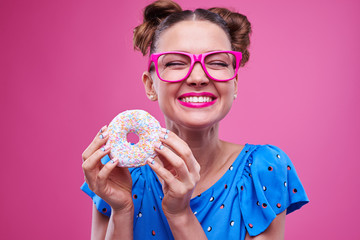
(217, 64)
(175, 64)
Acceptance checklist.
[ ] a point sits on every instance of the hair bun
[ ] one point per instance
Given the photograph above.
(240, 30)
(159, 10)
(153, 15)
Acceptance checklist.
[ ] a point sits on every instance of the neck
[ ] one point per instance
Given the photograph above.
(203, 142)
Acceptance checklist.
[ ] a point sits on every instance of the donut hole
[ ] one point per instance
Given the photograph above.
(132, 137)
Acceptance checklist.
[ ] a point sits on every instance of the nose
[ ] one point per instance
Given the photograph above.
(197, 76)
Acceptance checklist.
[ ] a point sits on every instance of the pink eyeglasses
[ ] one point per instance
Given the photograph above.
(177, 66)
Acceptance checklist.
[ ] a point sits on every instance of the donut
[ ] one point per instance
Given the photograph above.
(142, 124)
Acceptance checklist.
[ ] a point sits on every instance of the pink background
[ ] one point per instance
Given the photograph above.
(68, 67)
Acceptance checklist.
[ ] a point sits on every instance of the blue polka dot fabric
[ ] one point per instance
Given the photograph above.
(258, 185)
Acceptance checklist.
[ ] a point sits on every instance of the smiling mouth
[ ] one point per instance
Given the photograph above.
(197, 99)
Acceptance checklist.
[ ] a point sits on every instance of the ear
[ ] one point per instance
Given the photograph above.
(149, 86)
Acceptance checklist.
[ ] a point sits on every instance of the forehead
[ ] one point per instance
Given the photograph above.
(194, 37)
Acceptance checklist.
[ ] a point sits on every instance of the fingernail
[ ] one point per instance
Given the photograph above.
(115, 160)
(158, 145)
(103, 129)
(103, 135)
(164, 130)
(164, 136)
(151, 161)
(104, 148)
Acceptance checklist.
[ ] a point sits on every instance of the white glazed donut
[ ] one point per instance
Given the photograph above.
(142, 124)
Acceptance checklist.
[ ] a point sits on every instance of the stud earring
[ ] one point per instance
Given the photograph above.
(235, 96)
(152, 97)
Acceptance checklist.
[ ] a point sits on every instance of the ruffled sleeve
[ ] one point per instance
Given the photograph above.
(268, 186)
(137, 191)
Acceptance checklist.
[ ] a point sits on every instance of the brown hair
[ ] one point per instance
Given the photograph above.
(163, 14)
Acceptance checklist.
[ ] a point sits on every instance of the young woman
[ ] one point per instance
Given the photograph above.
(198, 186)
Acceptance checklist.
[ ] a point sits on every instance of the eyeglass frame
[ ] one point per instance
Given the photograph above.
(194, 58)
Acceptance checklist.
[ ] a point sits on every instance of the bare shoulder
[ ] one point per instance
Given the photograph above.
(233, 149)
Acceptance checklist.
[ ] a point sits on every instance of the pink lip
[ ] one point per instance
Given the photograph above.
(196, 94)
(197, 105)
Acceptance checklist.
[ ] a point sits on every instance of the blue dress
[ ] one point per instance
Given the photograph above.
(260, 183)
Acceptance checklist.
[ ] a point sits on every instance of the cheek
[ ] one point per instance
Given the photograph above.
(228, 90)
(165, 93)
(161, 92)
(166, 90)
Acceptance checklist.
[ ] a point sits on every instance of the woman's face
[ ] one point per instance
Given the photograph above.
(194, 37)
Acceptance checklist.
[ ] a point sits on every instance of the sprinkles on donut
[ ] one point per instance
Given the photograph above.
(142, 124)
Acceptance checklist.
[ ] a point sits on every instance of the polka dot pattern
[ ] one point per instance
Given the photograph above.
(269, 203)
(257, 186)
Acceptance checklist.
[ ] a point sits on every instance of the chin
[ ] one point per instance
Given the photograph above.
(197, 122)
(196, 118)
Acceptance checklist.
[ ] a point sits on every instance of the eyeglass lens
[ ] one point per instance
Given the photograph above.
(175, 66)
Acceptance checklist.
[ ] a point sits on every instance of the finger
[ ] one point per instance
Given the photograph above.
(99, 140)
(174, 160)
(95, 159)
(92, 165)
(104, 173)
(162, 172)
(181, 148)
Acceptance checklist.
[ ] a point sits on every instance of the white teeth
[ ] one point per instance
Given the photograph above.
(194, 99)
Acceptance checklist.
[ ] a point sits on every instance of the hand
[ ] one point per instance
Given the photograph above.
(113, 184)
(179, 171)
